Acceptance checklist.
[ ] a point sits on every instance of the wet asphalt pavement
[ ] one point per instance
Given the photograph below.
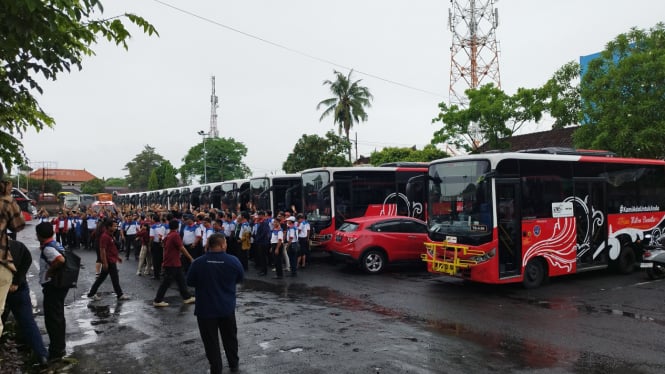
(334, 319)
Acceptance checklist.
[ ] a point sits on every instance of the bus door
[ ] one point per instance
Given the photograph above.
(509, 226)
(343, 201)
(590, 220)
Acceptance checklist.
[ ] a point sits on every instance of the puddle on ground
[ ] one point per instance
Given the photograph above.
(522, 353)
(94, 316)
(566, 304)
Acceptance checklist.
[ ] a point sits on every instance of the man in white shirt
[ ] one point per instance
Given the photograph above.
(303, 240)
(92, 227)
(131, 227)
(157, 235)
(191, 238)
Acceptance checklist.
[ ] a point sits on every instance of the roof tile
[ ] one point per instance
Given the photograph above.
(62, 175)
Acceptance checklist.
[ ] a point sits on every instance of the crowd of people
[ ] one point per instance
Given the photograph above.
(181, 246)
(257, 235)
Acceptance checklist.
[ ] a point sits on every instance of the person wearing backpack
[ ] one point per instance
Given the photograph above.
(50, 260)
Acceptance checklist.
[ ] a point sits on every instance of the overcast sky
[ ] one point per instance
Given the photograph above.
(158, 92)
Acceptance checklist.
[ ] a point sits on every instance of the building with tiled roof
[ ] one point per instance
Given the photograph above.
(558, 138)
(71, 179)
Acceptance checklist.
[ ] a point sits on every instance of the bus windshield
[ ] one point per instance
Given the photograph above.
(459, 199)
(286, 193)
(317, 196)
(260, 194)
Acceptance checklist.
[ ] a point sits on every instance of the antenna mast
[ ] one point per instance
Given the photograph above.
(213, 132)
(474, 54)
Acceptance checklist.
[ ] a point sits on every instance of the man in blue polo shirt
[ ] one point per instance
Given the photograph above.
(214, 276)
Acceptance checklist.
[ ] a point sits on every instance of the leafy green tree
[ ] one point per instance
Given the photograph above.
(32, 185)
(21, 180)
(140, 168)
(347, 106)
(314, 151)
(50, 185)
(623, 94)
(93, 186)
(560, 96)
(222, 160)
(116, 182)
(153, 182)
(491, 117)
(165, 176)
(394, 154)
(45, 38)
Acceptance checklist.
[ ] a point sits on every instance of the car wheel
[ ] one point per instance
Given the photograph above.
(534, 274)
(373, 261)
(657, 272)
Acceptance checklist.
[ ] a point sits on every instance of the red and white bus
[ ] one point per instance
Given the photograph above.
(527, 216)
(333, 194)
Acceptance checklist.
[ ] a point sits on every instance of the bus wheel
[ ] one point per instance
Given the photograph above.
(534, 274)
(625, 264)
(373, 261)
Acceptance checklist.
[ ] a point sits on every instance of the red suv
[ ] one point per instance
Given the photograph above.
(373, 242)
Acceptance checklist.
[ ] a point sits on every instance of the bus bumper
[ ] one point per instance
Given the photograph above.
(448, 258)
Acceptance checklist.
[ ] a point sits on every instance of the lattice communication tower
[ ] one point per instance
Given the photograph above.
(214, 104)
(474, 54)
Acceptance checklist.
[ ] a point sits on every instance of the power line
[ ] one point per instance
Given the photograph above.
(292, 50)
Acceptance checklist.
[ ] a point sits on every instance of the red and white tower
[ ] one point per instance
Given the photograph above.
(474, 54)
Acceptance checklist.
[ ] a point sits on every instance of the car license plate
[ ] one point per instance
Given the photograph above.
(646, 265)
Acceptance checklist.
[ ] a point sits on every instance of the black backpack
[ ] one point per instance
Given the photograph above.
(67, 275)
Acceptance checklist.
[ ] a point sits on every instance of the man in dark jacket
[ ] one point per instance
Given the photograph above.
(214, 276)
(19, 302)
(262, 241)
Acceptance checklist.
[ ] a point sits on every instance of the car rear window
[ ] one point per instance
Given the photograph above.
(348, 227)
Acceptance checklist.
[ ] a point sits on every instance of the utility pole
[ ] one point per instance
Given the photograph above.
(205, 156)
(356, 144)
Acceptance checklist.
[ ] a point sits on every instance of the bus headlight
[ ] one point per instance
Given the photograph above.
(485, 257)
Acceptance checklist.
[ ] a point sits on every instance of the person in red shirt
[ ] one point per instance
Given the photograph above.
(108, 254)
(172, 266)
(61, 226)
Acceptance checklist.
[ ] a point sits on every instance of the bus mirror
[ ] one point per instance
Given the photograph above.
(490, 175)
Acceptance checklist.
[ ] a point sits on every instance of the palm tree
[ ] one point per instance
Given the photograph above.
(348, 103)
